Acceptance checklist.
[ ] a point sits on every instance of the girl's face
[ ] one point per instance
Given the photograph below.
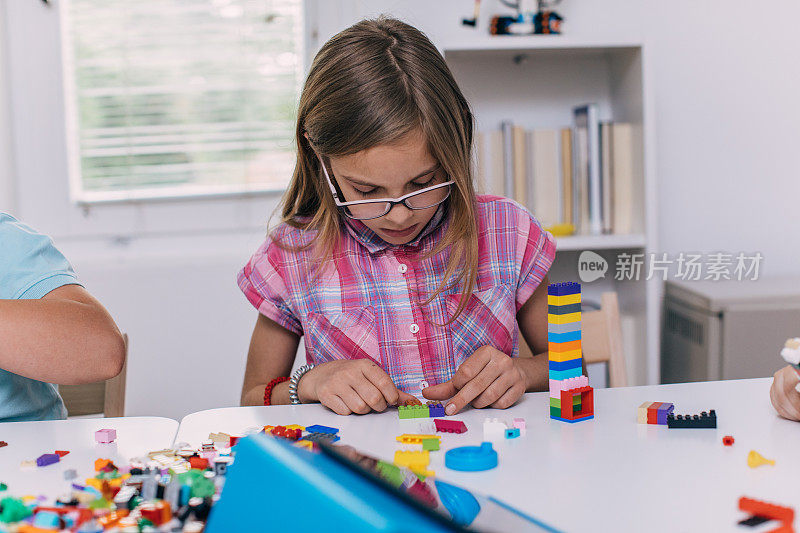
(390, 171)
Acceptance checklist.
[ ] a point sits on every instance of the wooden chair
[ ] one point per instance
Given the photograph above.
(601, 339)
(106, 398)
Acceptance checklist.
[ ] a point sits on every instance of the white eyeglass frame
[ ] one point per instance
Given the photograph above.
(391, 202)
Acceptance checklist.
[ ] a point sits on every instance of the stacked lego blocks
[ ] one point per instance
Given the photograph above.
(417, 410)
(654, 413)
(571, 397)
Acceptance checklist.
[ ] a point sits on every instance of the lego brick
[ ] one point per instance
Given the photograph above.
(512, 433)
(431, 444)
(416, 461)
(564, 289)
(783, 514)
(564, 337)
(727, 440)
(652, 412)
(564, 319)
(435, 409)
(105, 436)
(663, 412)
(641, 412)
(560, 357)
(494, 429)
(566, 365)
(569, 299)
(571, 421)
(47, 459)
(302, 428)
(565, 374)
(563, 309)
(555, 412)
(414, 438)
(450, 426)
(556, 402)
(564, 346)
(316, 428)
(61, 453)
(556, 386)
(564, 328)
(704, 421)
(412, 411)
(319, 437)
(586, 395)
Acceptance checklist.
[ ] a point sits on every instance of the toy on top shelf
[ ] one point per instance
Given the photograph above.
(571, 397)
(471, 458)
(704, 421)
(755, 459)
(770, 511)
(450, 426)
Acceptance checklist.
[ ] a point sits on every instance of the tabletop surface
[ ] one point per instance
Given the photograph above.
(609, 473)
(28, 440)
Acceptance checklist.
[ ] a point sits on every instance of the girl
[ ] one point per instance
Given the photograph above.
(401, 279)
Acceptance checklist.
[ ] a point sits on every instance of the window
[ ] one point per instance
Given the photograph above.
(174, 98)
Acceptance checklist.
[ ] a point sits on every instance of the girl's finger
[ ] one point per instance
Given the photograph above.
(354, 401)
(370, 394)
(784, 388)
(472, 389)
(336, 404)
(384, 384)
(510, 397)
(493, 392)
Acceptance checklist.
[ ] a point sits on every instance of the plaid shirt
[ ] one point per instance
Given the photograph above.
(369, 300)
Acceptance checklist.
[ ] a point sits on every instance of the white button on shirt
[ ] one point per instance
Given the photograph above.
(414, 328)
(402, 268)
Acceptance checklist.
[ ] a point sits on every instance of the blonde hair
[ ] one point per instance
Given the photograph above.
(373, 84)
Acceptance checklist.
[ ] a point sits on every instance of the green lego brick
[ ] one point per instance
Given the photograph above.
(413, 411)
(555, 402)
(555, 411)
(430, 444)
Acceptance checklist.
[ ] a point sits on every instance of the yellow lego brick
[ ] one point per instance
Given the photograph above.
(564, 319)
(296, 426)
(411, 438)
(564, 300)
(418, 460)
(560, 357)
(307, 444)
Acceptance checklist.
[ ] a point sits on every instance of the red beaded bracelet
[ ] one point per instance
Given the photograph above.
(270, 386)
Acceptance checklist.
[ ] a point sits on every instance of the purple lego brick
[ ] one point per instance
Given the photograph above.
(663, 412)
(563, 289)
(436, 409)
(47, 459)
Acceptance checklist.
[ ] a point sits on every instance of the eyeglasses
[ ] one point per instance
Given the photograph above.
(369, 209)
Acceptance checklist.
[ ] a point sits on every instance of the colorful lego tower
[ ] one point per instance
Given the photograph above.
(571, 397)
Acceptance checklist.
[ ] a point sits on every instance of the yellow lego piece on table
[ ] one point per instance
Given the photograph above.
(411, 438)
(307, 444)
(296, 426)
(564, 319)
(565, 356)
(569, 299)
(412, 460)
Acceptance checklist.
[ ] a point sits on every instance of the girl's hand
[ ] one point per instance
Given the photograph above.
(350, 386)
(784, 394)
(488, 378)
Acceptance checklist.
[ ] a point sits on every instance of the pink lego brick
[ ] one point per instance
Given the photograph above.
(519, 423)
(557, 385)
(450, 426)
(104, 436)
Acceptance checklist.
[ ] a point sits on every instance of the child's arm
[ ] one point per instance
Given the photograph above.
(66, 337)
(490, 378)
(784, 393)
(271, 355)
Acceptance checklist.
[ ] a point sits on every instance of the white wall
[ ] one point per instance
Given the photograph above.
(7, 202)
(726, 117)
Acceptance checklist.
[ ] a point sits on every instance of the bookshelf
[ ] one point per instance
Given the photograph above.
(536, 81)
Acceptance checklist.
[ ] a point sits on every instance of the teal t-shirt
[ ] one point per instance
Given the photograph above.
(30, 267)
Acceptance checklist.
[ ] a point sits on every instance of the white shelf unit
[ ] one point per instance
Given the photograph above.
(536, 81)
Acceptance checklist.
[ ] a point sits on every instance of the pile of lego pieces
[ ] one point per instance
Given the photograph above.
(654, 413)
(571, 397)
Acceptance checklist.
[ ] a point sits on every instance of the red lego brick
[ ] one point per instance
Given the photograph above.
(587, 403)
(785, 515)
(450, 426)
(199, 463)
(727, 440)
(652, 412)
(61, 453)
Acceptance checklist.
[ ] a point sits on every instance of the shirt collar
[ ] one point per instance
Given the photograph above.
(373, 243)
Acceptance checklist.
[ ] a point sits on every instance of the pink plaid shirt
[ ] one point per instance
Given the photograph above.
(368, 301)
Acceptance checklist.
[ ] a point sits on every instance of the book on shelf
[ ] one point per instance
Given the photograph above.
(585, 174)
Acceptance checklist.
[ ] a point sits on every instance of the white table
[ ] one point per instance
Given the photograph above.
(28, 440)
(606, 474)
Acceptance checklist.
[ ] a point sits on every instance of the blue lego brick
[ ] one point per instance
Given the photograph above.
(564, 289)
(316, 428)
(436, 410)
(563, 309)
(564, 328)
(564, 337)
(317, 437)
(512, 433)
(572, 421)
(566, 365)
(565, 374)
